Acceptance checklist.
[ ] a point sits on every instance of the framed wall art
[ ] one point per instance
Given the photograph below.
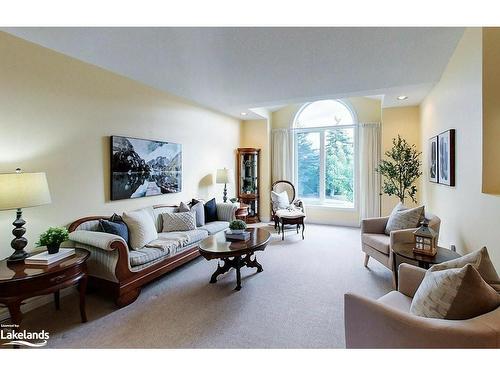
(142, 168)
(446, 158)
(433, 159)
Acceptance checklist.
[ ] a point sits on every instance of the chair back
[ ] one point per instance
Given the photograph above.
(283, 185)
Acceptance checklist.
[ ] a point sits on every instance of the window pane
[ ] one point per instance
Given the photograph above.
(308, 163)
(324, 113)
(339, 166)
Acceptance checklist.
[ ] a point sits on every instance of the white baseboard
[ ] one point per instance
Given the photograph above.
(33, 303)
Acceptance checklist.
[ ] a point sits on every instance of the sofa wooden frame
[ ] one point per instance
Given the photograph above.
(128, 287)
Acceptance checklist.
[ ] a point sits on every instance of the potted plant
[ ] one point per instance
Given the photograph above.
(237, 226)
(401, 170)
(52, 238)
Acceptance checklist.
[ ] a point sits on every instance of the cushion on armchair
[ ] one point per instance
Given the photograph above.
(404, 219)
(280, 200)
(479, 259)
(455, 293)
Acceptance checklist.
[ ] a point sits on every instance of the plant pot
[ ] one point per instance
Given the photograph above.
(53, 249)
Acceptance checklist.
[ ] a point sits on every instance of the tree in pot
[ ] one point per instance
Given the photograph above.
(53, 238)
(401, 170)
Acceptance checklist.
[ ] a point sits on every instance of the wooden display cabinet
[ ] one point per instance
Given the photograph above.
(248, 181)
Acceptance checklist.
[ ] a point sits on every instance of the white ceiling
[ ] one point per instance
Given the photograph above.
(234, 69)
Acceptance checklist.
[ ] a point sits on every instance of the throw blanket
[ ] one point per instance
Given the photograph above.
(170, 245)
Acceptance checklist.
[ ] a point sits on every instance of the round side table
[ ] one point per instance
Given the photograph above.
(405, 251)
(19, 281)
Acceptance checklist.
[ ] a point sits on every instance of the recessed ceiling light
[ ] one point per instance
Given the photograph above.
(244, 113)
(402, 97)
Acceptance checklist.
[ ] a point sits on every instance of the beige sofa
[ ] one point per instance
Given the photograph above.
(378, 245)
(388, 323)
(120, 271)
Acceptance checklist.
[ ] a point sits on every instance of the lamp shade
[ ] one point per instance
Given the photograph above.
(224, 176)
(19, 190)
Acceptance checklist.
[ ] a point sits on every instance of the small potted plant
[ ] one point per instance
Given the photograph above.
(52, 238)
(237, 226)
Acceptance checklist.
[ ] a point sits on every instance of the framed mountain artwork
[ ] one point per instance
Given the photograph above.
(143, 168)
(433, 159)
(446, 158)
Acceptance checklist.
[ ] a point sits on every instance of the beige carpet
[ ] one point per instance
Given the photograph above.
(297, 302)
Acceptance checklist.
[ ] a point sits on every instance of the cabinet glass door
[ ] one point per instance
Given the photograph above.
(248, 174)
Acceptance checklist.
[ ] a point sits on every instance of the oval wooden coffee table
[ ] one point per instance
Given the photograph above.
(217, 247)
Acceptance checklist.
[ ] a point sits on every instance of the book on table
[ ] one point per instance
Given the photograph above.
(244, 236)
(44, 258)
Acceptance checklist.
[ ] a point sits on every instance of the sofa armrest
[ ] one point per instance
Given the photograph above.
(101, 240)
(402, 236)
(410, 278)
(226, 211)
(374, 225)
(371, 324)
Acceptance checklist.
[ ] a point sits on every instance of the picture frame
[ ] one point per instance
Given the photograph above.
(446, 158)
(142, 167)
(433, 160)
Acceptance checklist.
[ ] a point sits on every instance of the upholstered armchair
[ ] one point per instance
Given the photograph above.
(388, 323)
(378, 245)
(279, 187)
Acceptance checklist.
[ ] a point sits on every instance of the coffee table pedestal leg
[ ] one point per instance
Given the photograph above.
(221, 270)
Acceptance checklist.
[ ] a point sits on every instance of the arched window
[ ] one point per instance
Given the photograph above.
(324, 113)
(325, 153)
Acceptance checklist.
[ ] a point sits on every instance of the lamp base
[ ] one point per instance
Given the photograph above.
(19, 242)
(224, 197)
(18, 256)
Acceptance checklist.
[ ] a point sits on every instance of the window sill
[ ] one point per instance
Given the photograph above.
(327, 206)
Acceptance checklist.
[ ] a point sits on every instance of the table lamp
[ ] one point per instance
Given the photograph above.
(20, 190)
(224, 176)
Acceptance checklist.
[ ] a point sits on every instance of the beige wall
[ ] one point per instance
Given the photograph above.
(57, 114)
(367, 110)
(256, 134)
(404, 121)
(491, 110)
(470, 219)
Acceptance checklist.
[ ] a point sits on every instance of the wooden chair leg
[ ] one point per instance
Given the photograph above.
(367, 258)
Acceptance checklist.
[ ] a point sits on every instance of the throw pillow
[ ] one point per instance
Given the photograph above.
(114, 226)
(455, 293)
(196, 207)
(210, 211)
(178, 221)
(183, 207)
(141, 226)
(280, 200)
(480, 260)
(404, 219)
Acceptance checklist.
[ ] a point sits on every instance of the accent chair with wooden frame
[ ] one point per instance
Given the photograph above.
(288, 218)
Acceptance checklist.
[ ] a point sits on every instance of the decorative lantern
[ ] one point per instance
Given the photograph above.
(425, 240)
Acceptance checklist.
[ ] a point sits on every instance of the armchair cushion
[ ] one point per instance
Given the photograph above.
(396, 300)
(480, 260)
(379, 242)
(280, 200)
(404, 219)
(456, 293)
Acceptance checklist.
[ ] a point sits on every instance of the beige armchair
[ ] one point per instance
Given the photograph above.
(378, 245)
(388, 323)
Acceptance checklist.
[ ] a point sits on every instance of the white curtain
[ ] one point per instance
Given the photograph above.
(282, 155)
(370, 145)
